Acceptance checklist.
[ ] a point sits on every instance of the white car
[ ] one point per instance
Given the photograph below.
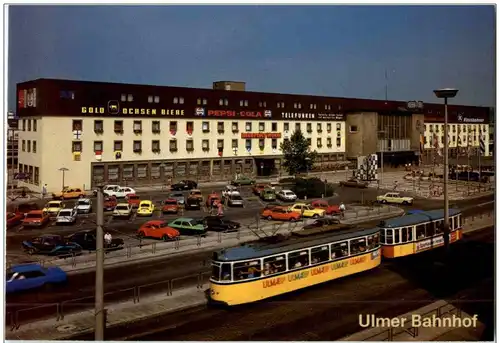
(83, 206)
(394, 198)
(117, 191)
(287, 195)
(229, 190)
(66, 216)
(122, 210)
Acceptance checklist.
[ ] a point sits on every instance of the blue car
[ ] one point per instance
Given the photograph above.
(51, 245)
(26, 277)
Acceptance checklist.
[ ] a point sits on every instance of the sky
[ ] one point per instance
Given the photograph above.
(339, 51)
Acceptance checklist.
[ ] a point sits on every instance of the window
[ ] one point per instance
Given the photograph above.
(118, 145)
(173, 145)
(176, 100)
(24, 124)
(274, 265)
(328, 107)
(274, 144)
(29, 124)
(34, 146)
(98, 146)
(319, 127)
(189, 145)
(98, 126)
(205, 127)
(280, 105)
(118, 126)
(248, 126)
(77, 125)
(181, 100)
(262, 127)
(298, 259)
(406, 234)
(329, 127)
(248, 144)
(297, 126)
(262, 144)
(37, 176)
(204, 101)
(155, 146)
(234, 144)
(318, 142)
(234, 126)
(262, 104)
(420, 231)
(76, 147)
(247, 270)
(173, 127)
(29, 146)
(397, 233)
(329, 142)
(157, 99)
(128, 172)
(339, 126)
(123, 97)
(274, 127)
(220, 144)
(150, 99)
(286, 126)
(220, 127)
(137, 146)
(339, 142)
(137, 126)
(353, 128)
(130, 98)
(309, 142)
(205, 145)
(373, 241)
(320, 254)
(358, 245)
(309, 127)
(189, 127)
(221, 102)
(155, 126)
(312, 106)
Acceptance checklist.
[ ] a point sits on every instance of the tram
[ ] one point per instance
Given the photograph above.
(418, 232)
(263, 269)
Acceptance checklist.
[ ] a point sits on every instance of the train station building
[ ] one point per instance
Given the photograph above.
(79, 133)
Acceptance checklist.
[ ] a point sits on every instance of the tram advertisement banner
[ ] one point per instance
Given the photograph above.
(434, 242)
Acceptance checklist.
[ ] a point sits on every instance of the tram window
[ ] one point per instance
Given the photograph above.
(226, 272)
(404, 234)
(451, 223)
(438, 227)
(320, 254)
(389, 236)
(215, 271)
(247, 270)
(397, 233)
(420, 231)
(339, 250)
(298, 259)
(358, 245)
(372, 241)
(382, 236)
(274, 265)
(410, 233)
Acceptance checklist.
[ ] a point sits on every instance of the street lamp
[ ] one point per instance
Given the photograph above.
(446, 93)
(63, 170)
(381, 134)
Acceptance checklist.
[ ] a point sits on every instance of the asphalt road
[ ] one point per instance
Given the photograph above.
(330, 311)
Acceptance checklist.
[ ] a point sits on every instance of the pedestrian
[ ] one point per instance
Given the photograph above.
(342, 209)
(220, 212)
(108, 238)
(44, 191)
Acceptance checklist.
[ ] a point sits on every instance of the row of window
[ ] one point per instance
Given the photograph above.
(430, 140)
(205, 144)
(461, 127)
(28, 146)
(293, 260)
(417, 232)
(205, 126)
(32, 172)
(29, 125)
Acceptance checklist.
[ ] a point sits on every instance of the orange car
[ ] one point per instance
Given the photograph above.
(196, 193)
(69, 193)
(133, 200)
(280, 213)
(157, 229)
(259, 187)
(170, 206)
(329, 209)
(36, 218)
(213, 199)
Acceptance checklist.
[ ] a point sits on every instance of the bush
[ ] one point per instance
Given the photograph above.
(312, 188)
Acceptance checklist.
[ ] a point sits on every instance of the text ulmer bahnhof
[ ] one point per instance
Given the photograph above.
(135, 111)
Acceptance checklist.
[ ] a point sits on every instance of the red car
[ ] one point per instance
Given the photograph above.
(14, 219)
(110, 203)
(36, 218)
(170, 206)
(329, 209)
(133, 200)
(157, 229)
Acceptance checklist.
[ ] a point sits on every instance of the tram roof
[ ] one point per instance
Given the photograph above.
(261, 248)
(417, 218)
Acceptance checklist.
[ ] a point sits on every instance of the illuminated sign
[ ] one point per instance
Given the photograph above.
(114, 109)
(328, 116)
(415, 105)
(331, 116)
(463, 119)
(247, 135)
(242, 114)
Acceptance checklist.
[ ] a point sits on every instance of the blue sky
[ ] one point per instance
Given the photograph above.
(321, 50)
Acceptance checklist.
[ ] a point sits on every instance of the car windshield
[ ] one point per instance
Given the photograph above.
(65, 213)
(122, 207)
(236, 197)
(194, 222)
(196, 193)
(54, 204)
(288, 192)
(133, 197)
(177, 195)
(34, 215)
(83, 202)
(144, 205)
(170, 202)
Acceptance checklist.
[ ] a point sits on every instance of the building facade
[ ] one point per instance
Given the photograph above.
(80, 134)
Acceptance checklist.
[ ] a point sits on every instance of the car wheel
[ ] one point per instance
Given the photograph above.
(292, 220)
(316, 216)
(165, 238)
(269, 218)
(81, 196)
(405, 202)
(384, 201)
(141, 235)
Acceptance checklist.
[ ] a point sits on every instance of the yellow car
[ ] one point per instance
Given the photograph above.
(146, 208)
(308, 211)
(69, 193)
(52, 208)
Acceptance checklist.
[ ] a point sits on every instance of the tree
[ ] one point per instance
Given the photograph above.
(297, 155)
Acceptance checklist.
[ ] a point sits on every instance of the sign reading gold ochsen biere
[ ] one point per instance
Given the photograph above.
(133, 111)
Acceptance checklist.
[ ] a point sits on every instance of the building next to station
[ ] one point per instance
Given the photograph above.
(80, 134)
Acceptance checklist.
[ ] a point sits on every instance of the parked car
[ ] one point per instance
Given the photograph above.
(259, 187)
(329, 209)
(170, 206)
(36, 218)
(268, 194)
(235, 199)
(53, 207)
(117, 191)
(27, 277)
(354, 183)
(184, 185)
(394, 198)
(228, 190)
(280, 213)
(133, 200)
(286, 195)
(217, 223)
(193, 203)
(189, 226)
(14, 219)
(242, 181)
(83, 206)
(69, 193)
(87, 239)
(122, 210)
(196, 193)
(307, 211)
(146, 208)
(177, 196)
(157, 229)
(322, 222)
(50, 245)
(110, 203)
(109, 190)
(66, 216)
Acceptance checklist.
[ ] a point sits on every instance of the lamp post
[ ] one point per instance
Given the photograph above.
(381, 134)
(446, 93)
(100, 316)
(63, 170)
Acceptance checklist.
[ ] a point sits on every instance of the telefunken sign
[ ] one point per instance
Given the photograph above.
(463, 119)
(330, 116)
